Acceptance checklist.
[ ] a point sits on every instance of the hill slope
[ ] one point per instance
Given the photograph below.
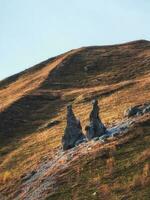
(32, 100)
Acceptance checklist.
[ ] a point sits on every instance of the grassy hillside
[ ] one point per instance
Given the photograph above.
(118, 75)
(118, 170)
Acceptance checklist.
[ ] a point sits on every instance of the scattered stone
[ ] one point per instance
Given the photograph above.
(96, 138)
(96, 128)
(104, 137)
(69, 157)
(146, 110)
(94, 193)
(132, 111)
(89, 148)
(137, 110)
(73, 132)
(85, 68)
(53, 123)
(116, 134)
(80, 141)
(26, 177)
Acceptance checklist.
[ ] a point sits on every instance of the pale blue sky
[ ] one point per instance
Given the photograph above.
(34, 30)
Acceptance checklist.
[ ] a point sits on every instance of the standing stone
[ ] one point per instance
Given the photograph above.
(73, 132)
(96, 128)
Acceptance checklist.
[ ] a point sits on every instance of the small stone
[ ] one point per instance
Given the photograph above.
(53, 123)
(79, 142)
(96, 138)
(26, 177)
(146, 110)
(94, 193)
(103, 137)
(137, 110)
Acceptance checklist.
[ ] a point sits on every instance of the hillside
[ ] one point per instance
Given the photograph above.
(33, 117)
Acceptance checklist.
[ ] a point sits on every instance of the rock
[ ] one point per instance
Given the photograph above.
(96, 138)
(104, 137)
(137, 110)
(69, 157)
(80, 141)
(116, 134)
(85, 68)
(73, 132)
(89, 148)
(146, 109)
(26, 177)
(53, 123)
(96, 128)
(132, 111)
(94, 193)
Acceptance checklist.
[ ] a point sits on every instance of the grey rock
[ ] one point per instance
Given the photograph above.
(116, 134)
(96, 138)
(137, 110)
(85, 68)
(146, 109)
(83, 140)
(26, 177)
(104, 137)
(95, 128)
(53, 123)
(79, 142)
(73, 134)
(132, 111)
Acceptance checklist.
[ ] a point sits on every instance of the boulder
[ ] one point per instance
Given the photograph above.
(73, 134)
(95, 128)
(132, 111)
(137, 110)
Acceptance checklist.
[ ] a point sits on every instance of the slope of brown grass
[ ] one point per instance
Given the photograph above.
(31, 100)
(119, 175)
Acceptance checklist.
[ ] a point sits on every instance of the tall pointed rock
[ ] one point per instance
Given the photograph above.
(95, 128)
(73, 132)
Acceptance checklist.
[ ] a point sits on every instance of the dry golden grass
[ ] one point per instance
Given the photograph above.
(145, 155)
(117, 86)
(143, 179)
(30, 150)
(28, 83)
(114, 177)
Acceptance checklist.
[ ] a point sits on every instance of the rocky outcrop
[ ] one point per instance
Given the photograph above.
(137, 110)
(73, 132)
(95, 128)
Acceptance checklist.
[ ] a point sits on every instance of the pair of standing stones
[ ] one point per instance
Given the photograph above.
(73, 134)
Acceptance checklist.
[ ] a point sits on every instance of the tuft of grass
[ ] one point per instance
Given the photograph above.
(143, 179)
(110, 164)
(5, 177)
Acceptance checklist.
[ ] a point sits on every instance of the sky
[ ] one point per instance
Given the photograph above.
(34, 30)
